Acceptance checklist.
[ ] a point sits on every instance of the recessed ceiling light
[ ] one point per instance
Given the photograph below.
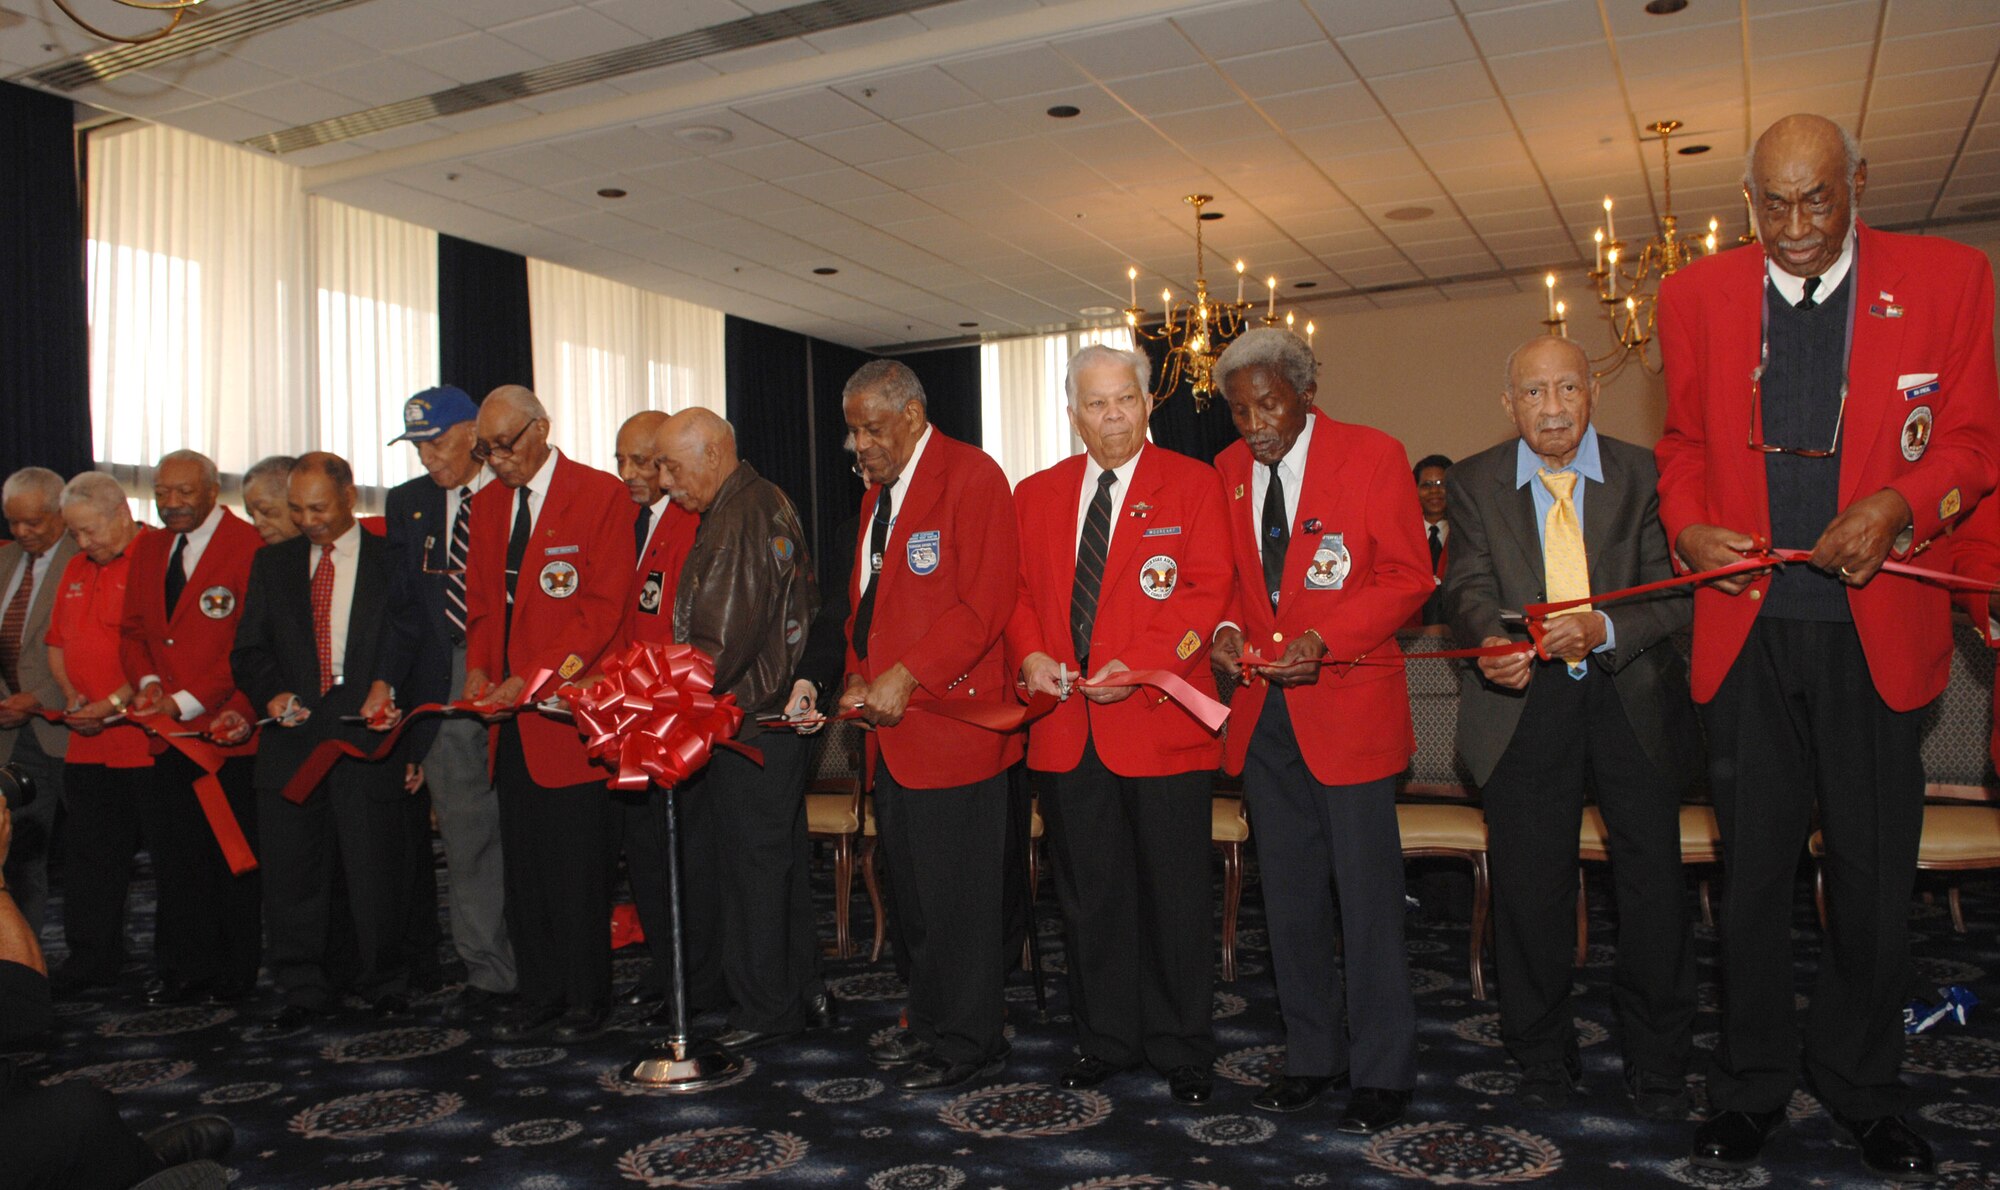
(611, 192)
(705, 134)
(1662, 8)
(823, 271)
(1305, 285)
(968, 324)
(1064, 111)
(1409, 214)
(1210, 216)
(1692, 150)
(1098, 311)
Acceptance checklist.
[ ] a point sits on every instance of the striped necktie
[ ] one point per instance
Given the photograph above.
(1091, 549)
(454, 578)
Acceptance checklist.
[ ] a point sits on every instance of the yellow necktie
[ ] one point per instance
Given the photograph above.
(1563, 561)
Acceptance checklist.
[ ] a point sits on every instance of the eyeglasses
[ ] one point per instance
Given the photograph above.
(482, 451)
(1756, 441)
(430, 552)
(1430, 483)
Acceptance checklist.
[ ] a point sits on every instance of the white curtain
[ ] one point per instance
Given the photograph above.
(233, 315)
(605, 350)
(1024, 409)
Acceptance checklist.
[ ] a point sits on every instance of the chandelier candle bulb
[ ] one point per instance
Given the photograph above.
(1167, 305)
(1289, 316)
(1132, 280)
(1271, 306)
(1598, 235)
(1239, 282)
(1709, 240)
(1550, 282)
(1562, 321)
(1309, 334)
(1611, 274)
(1610, 228)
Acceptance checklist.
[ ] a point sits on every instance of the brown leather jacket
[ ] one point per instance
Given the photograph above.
(746, 593)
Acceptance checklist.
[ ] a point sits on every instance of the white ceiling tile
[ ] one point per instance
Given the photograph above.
(221, 121)
(1253, 28)
(910, 93)
(1486, 120)
(568, 34)
(661, 78)
(531, 166)
(969, 12)
(1936, 51)
(1342, 17)
(1698, 47)
(1927, 117)
(1341, 103)
(1517, 175)
(1565, 69)
(301, 50)
(1350, 139)
(391, 27)
(1934, 16)
(656, 20)
(1632, 20)
(1670, 95)
(1831, 24)
(1282, 72)
(962, 128)
(863, 146)
(1902, 90)
(866, 33)
(1185, 89)
(383, 80)
(1551, 109)
(473, 57)
(529, 205)
(297, 103)
(807, 113)
(1440, 86)
(834, 184)
(1018, 72)
(1537, 27)
(1145, 49)
(221, 76)
(757, 57)
(780, 159)
(1411, 47)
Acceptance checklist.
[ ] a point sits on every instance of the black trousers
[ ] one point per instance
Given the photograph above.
(750, 903)
(209, 921)
(423, 932)
(1327, 851)
(100, 835)
(1797, 726)
(355, 824)
(1573, 735)
(68, 1137)
(636, 834)
(943, 850)
(27, 867)
(552, 843)
(1131, 863)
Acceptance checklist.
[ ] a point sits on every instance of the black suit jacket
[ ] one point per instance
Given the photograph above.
(1495, 563)
(419, 534)
(274, 651)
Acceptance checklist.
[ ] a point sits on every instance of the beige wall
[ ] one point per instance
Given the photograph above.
(1431, 374)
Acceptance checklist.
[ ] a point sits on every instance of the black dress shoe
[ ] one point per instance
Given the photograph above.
(294, 1016)
(1191, 1084)
(901, 1050)
(581, 1024)
(166, 992)
(1891, 1149)
(749, 1039)
(69, 979)
(639, 995)
(1733, 1139)
(1293, 1092)
(197, 1138)
(527, 1022)
(1658, 1096)
(935, 1074)
(822, 1010)
(1086, 1072)
(1371, 1109)
(473, 1003)
(231, 991)
(390, 1005)
(1550, 1084)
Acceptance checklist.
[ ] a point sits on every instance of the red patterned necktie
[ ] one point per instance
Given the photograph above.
(16, 621)
(322, 604)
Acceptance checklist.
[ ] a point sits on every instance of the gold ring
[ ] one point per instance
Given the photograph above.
(1845, 573)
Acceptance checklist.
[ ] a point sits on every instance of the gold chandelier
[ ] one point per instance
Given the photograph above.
(1196, 331)
(1627, 281)
(179, 9)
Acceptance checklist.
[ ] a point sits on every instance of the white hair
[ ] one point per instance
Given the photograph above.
(96, 489)
(1269, 347)
(38, 481)
(209, 474)
(1103, 353)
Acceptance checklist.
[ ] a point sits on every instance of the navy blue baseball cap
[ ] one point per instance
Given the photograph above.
(433, 411)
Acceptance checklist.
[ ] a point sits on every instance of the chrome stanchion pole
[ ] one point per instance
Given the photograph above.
(679, 1062)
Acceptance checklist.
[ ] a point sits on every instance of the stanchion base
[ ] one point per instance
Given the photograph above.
(695, 1065)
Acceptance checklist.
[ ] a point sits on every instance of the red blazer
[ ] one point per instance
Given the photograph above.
(941, 610)
(1974, 551)
(649, 607)
(1353, 725)
(1174, 522)
(1924, 306)
(191, 651)
(583, 545)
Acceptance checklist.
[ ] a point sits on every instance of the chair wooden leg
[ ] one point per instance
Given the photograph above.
(1232, 900)
(874, 888)
(1957, 910)
(843, 895)
(1707, 903)
(1482, 897)
(1819, 892)
(1582, 921)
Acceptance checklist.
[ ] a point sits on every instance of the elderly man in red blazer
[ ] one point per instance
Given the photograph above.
(182, 605)
(1832, 390)
(1125, 565)
(1329, 562)
(934, 583)
(547, 575)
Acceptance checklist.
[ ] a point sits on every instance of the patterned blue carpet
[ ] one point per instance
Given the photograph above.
(357, 1106)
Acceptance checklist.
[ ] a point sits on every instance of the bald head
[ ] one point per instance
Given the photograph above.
(637, 465)
(1805, 178)
(513, 434)
(697, 452)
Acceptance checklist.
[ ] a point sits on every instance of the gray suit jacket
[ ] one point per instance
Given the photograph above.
(1496, 563)
(35, 675)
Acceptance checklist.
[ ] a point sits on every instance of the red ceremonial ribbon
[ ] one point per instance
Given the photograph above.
(655, 717)
(1210, 713)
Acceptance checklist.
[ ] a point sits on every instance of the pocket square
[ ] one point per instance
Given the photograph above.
(1913, 379)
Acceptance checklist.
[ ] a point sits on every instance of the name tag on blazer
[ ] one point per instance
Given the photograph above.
(1917, 384)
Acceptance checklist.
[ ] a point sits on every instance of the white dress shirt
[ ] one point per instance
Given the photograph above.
(478, 484)
(197, 544)
(346, 560)
(895, 497)
(653, 529)
(1119, 486)
(1293, 468)
(1793, 288)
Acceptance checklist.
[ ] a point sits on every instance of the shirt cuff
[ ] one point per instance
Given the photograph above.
(190, 705)
(1221, 626)
(1610, 635)
(146, 681)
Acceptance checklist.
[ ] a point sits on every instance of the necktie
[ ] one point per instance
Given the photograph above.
(640, 528)
(1091, 550)
(1564, 565)
(1437, 548)
(14, 623)
(517, 542)
(322, 607)
(177, 577)
(1806, 301)
(878, 541)
(1277, 535)
(454, 578)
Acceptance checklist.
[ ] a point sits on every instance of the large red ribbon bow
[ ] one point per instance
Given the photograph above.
(654, 717)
